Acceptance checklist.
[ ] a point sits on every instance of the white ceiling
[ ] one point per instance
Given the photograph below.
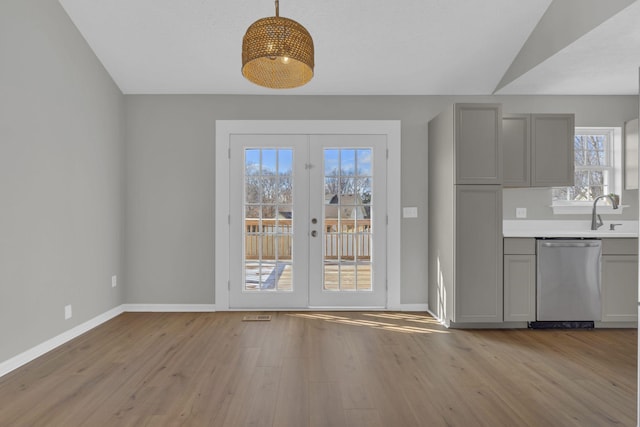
(435, 47)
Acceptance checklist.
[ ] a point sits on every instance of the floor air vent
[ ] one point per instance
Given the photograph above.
(562, 325)
(257, 318)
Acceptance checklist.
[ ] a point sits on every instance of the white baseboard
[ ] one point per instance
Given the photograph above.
(45, 347)
(409, 307)
(170, 308)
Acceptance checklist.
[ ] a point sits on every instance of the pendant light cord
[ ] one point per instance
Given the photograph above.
(277, 8)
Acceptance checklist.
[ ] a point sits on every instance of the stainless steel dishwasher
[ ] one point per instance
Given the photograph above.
(568, 280)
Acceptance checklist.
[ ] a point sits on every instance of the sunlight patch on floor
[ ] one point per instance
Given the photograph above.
(396, 327)
(408, 317)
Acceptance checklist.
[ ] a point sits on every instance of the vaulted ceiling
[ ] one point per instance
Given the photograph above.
(408, 47)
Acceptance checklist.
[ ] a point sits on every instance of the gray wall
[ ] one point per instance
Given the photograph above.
(170, 183)
(170, 176)
(61, 177)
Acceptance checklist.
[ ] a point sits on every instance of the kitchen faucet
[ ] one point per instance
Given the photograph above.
(596, 221)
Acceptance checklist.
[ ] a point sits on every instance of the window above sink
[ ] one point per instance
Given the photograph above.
(598, 171)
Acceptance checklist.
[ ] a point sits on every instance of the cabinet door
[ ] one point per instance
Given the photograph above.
(631, 155)
(478, 143)
(552, 150)
(619, 288)
(519, 288)
(478, 248)
(516, 143)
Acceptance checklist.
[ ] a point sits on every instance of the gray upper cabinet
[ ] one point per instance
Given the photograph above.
(538, 150)
(516, 137)
(631, 155)
(552, 150)
(478, 143)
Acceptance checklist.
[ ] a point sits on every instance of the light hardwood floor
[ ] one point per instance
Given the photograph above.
(324, 369)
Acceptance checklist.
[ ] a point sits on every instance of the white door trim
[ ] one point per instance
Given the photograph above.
(225, 128)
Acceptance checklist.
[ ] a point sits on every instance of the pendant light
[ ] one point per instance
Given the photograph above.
(277, 53)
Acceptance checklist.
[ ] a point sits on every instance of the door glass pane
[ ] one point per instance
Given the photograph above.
(347, 162)
(347, 234)
(331, 162)
(252, 162)
(363, 189)
(364, 162)
(269, 212)
(285, 162)
(363, 261)
(269, 164)
(347, 276)
(269, 188)
(268, 231)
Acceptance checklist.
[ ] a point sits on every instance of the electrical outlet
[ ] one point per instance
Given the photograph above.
(521, 212)
(114, 281)
(410, 212)
(67, 312)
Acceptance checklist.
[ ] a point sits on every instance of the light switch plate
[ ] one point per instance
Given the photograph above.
(410, 212)
(521, 212)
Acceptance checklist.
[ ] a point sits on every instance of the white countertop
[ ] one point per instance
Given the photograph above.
(553, 228)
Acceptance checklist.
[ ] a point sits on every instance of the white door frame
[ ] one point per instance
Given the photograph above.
(225, 128)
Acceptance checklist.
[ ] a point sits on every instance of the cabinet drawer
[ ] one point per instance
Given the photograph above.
(519, 246)
(619, 246)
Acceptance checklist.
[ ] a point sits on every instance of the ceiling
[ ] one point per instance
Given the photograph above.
(369, 47)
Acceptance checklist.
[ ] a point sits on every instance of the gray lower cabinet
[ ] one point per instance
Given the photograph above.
(619, 280)
(538, 150)
(478, 254)
(519, 280)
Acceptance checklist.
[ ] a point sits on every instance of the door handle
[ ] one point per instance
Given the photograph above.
(314, 233)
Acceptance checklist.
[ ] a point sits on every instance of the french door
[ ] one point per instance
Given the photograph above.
(307, 221)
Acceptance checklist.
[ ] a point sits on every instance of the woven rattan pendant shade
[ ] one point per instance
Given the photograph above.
(277, 53)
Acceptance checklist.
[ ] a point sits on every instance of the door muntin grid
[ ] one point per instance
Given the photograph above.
(268, 220)
(347, 218)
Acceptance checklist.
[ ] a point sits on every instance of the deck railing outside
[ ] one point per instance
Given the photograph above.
(275, 238)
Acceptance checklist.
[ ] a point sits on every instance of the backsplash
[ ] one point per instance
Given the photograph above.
(537, 201)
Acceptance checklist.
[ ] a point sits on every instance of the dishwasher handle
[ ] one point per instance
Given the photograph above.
(593, 244)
